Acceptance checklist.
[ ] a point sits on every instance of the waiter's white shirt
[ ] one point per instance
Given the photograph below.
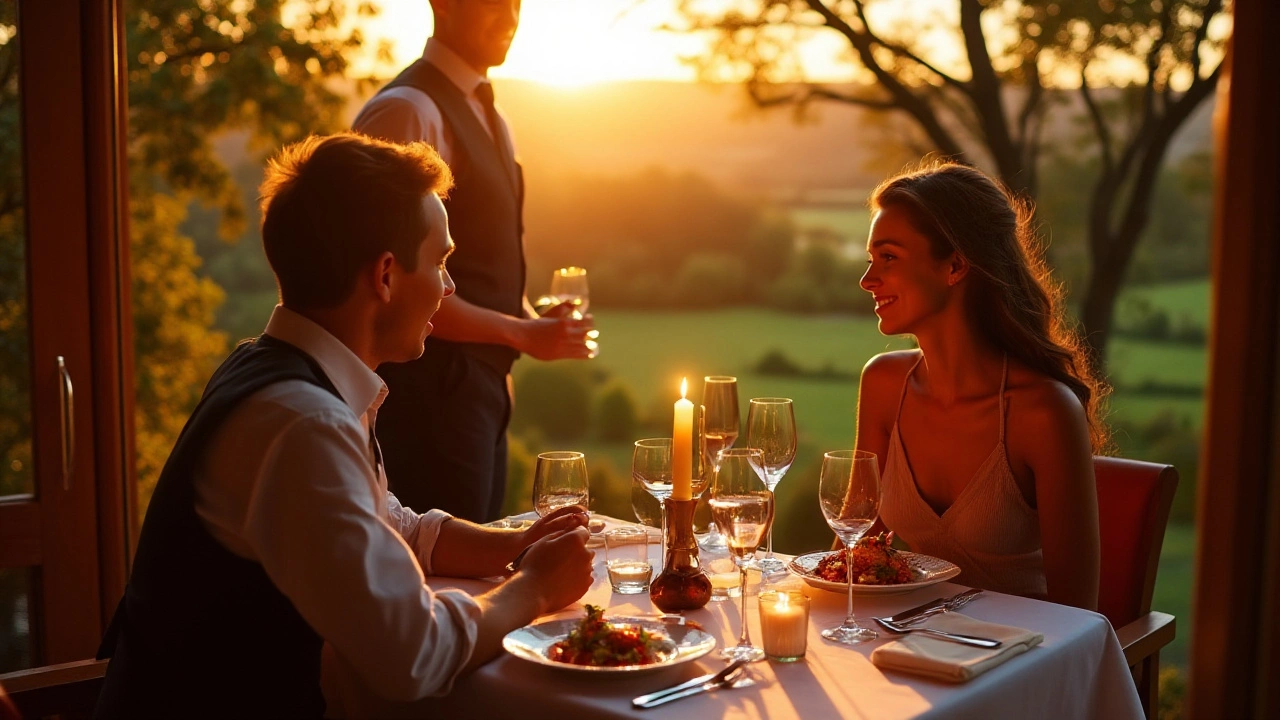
(405, 114)
(288, 481)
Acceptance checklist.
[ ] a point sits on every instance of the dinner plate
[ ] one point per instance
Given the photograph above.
(928, 570)
(685, 643)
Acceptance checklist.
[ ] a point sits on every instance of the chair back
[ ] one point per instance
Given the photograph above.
(1134, 499)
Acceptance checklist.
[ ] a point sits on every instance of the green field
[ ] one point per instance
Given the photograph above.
(650, 352)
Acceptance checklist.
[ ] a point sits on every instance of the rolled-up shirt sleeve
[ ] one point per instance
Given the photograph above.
(313, 524)
(419, 530)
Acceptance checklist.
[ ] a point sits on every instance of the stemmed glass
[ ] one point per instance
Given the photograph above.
(651, 467)
(721, 423)
(742, 506)
(849, 490)
(569, 285)
(771, 427)
(560, 480)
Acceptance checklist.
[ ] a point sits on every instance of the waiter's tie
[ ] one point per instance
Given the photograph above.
(484, 92)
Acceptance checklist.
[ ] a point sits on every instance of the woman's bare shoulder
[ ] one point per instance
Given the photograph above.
(1046, 419)
(890, 366)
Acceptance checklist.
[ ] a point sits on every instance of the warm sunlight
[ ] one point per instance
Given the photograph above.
(568, 43)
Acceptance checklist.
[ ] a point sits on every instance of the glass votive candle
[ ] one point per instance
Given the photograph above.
(784, 624)
(627, 559)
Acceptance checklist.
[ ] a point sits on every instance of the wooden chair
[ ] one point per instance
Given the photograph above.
(1134, 498)
(69, 690)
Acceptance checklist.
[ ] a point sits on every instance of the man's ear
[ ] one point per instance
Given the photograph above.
(382, 275)
(957, 268)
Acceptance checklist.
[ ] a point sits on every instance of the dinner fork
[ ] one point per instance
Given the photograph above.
(735, 677)
(942, 634)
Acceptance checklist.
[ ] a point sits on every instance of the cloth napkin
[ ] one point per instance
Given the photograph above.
(931, 657)
(597, 539)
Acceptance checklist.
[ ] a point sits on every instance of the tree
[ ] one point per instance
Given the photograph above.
(198, 68)
(1157, 59)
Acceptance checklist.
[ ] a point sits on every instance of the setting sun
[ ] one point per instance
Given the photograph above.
(567, 43)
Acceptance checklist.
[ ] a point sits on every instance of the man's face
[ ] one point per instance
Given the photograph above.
(480, 31)
(416, 295)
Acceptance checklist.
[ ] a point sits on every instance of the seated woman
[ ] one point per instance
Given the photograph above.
(985, 434)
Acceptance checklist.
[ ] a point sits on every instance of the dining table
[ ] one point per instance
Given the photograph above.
(1078, 671)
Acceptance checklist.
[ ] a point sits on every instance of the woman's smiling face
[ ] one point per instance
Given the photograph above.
(909, 284)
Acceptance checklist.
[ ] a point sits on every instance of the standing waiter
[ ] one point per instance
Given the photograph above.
(443, 429)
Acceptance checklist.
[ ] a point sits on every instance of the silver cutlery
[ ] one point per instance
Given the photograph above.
(711, 681)
(514, 565)
(934, 607)
(973, 640)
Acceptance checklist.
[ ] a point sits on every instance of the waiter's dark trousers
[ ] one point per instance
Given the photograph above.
(443, 432)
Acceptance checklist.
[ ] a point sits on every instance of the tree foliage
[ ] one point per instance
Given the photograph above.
(198, 69)
(976, 80)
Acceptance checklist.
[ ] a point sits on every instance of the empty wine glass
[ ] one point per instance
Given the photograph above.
(771, 427)
(560, 480)
(849, 491)
(651, 467)
(569, 285)
(647, 509)
(720, 426)
(743, 509)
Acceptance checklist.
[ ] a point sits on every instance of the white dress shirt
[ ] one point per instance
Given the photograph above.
(406, 114)
(288, 481)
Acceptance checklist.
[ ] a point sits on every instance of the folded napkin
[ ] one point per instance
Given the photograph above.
(920, 654)
(597, 539)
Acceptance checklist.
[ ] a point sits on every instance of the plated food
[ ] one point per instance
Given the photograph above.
(603, 644)
(624, 644)
(875, 562)
(878, 569)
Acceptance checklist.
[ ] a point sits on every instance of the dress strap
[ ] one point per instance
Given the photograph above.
(903, 396)
(1004, 378)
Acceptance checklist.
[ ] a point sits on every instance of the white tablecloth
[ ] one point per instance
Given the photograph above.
(1078, 672)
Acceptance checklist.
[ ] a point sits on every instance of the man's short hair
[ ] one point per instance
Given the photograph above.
(332, 204)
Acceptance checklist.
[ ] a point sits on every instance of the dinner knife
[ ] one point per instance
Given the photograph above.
(711, 679)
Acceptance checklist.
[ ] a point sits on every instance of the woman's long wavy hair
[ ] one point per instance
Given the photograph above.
(1013, 296)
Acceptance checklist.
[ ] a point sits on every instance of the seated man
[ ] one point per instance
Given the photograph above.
(271, 531)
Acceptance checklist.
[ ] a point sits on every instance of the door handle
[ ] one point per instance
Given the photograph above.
(66, 393)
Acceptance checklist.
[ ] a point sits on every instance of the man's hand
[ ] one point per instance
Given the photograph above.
(559, 334)
(558, 569)
(554, 523)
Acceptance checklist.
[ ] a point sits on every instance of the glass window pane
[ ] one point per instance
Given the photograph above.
(17, 597)
(15, 367)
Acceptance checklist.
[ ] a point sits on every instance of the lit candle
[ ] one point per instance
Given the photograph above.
(682, 447)
(784, 624)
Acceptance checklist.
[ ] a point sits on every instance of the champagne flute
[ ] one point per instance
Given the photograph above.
(560, 480)
(569, 285)
(849, 490)
(651, 467)
(721, 424)
(771, 427)
(743, 508)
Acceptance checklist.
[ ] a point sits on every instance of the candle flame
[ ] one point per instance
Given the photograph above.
(784, 601)
(684, 387)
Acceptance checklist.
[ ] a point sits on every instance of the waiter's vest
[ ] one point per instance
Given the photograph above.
(202, 632)
(485, 214)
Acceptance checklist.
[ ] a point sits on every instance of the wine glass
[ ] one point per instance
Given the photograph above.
(720, 427)
(560, 480)
(849, 490)
(647, 509)
(743, 509)
(771, 427)
(569, 285)
(651, 467)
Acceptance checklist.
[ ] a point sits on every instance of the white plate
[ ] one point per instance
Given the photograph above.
(685, 643)
(928, 571)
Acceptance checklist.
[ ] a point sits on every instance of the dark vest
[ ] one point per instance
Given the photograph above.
(202, 632)
(485, 214)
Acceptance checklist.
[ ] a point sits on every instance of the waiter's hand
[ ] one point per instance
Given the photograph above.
(559, 334)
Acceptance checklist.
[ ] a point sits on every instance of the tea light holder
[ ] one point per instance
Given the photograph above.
(784, 624)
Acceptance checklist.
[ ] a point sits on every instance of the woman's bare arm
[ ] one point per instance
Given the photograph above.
(1054, 440)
